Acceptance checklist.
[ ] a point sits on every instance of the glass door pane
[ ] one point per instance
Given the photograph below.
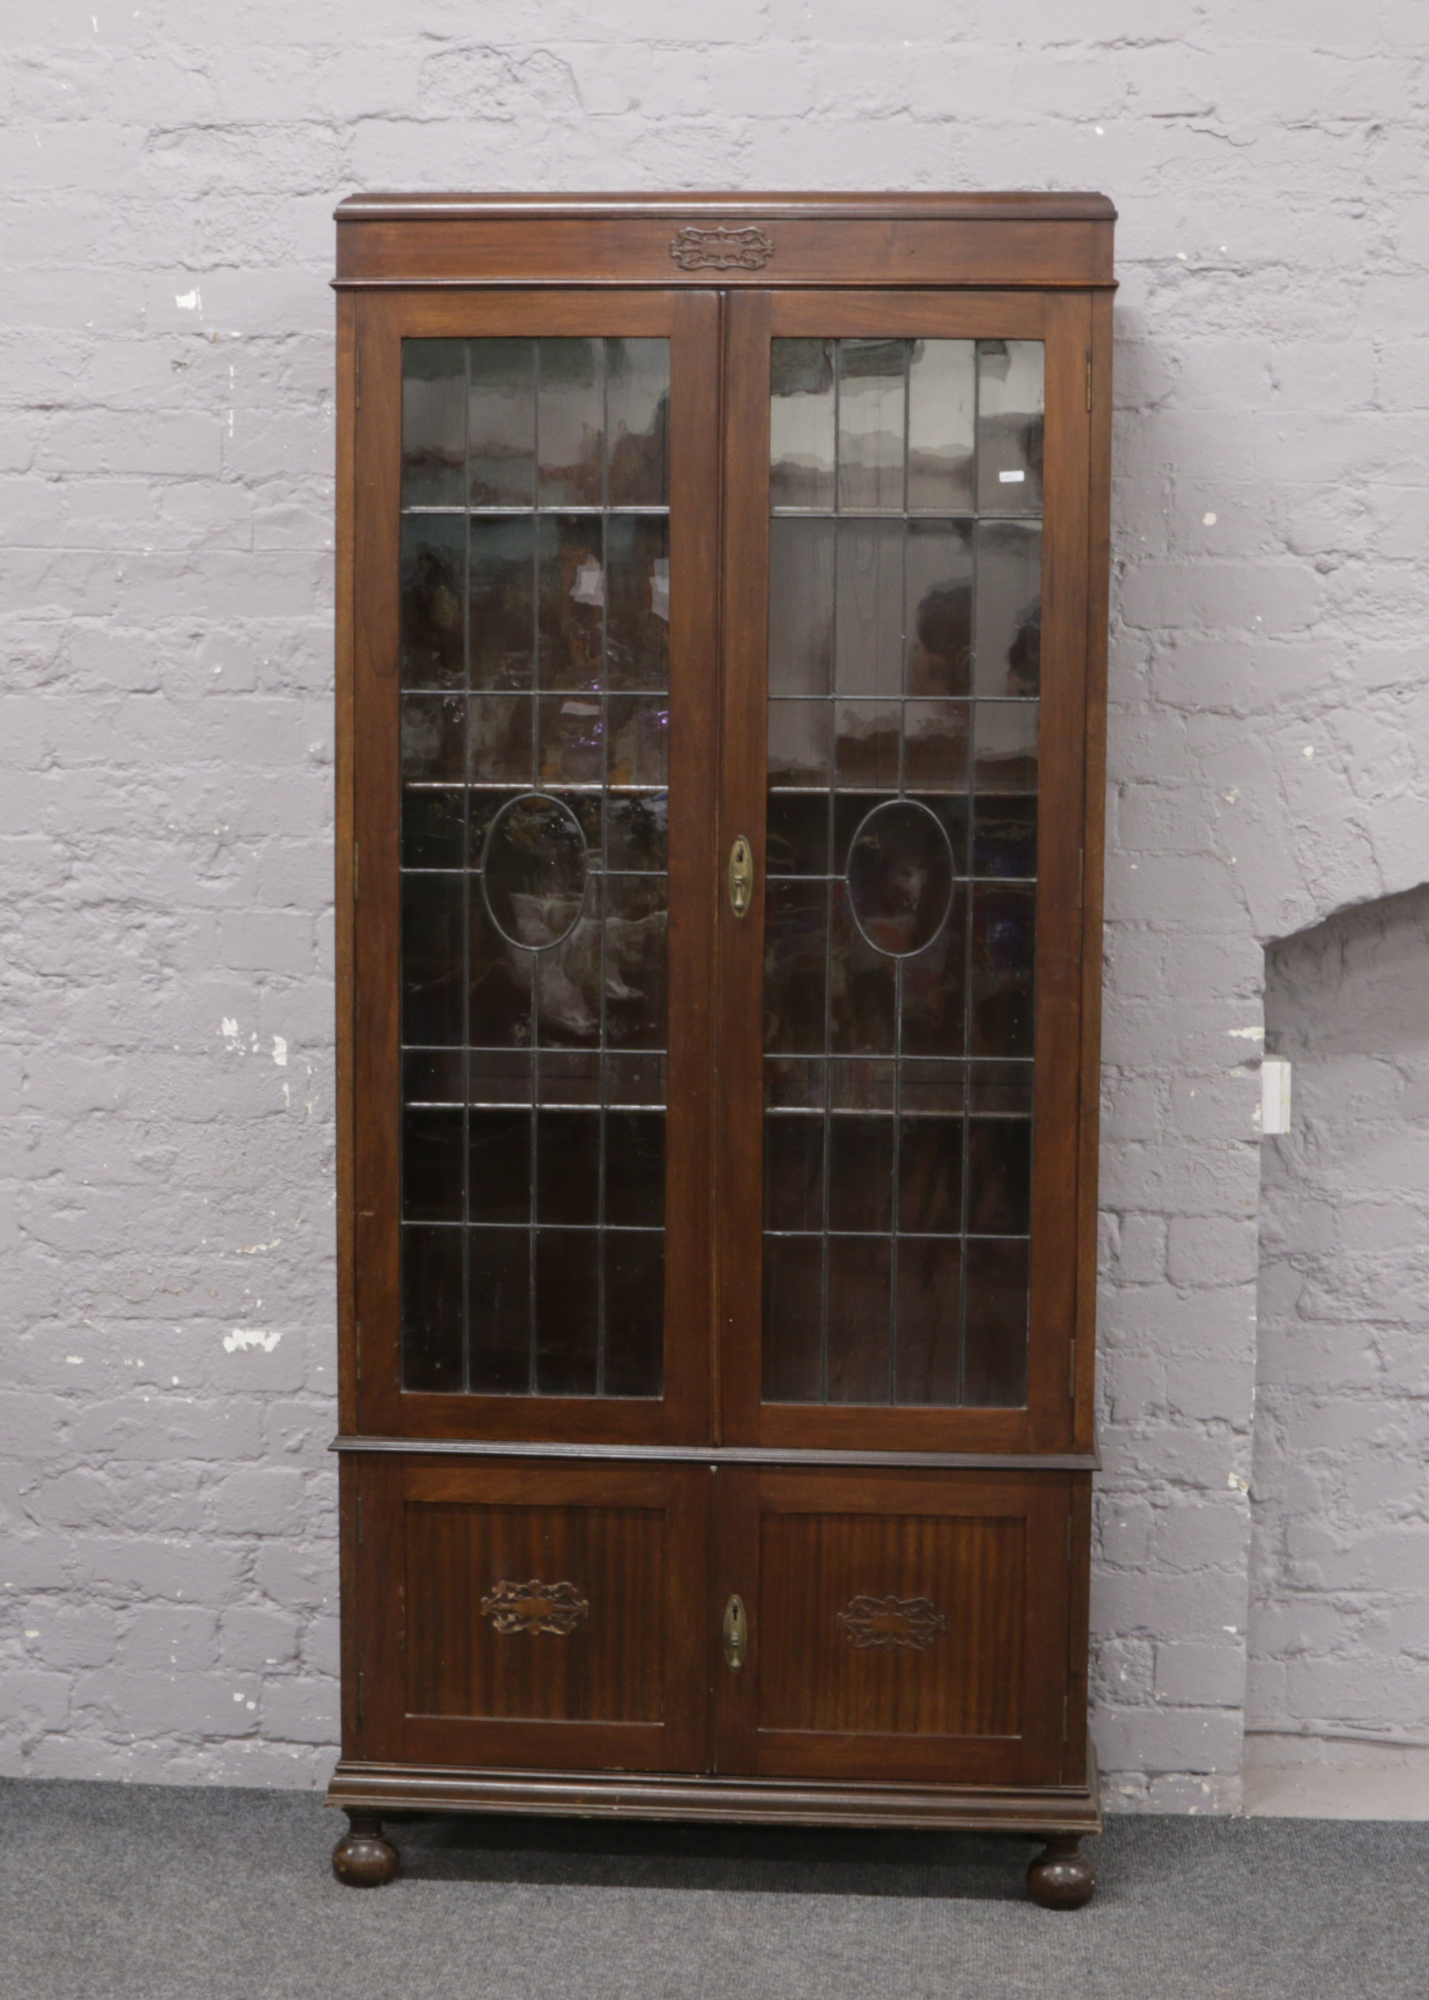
(535, 606)
(900, 894)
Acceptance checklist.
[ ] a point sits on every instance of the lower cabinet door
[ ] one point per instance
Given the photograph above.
(529, 1613)
(901, 1626)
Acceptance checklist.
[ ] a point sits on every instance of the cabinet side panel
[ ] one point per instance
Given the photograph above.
(342, 888)
(1098, 585)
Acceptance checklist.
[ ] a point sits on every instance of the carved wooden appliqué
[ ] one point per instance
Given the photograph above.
(535, 1607)
(912, 1623)
(722, 249)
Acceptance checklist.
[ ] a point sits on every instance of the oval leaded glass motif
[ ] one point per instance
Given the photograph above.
(534, 872)
(900, 877)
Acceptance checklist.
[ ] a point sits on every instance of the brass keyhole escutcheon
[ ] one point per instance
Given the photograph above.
(741, 876)
(736, 1634)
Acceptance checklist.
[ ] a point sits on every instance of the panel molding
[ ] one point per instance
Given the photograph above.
(714, 1454)
(1033, 1809)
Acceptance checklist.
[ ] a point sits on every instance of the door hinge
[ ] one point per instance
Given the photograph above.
(1089, 385)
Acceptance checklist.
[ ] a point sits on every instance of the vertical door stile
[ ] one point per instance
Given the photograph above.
(695, 725)
(1061, 808)
(745, 628)
(375, 753)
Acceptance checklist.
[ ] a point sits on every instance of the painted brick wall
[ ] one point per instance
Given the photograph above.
(167, 172)
(1340, 1619)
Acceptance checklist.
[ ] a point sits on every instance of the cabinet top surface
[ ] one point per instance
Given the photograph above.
(1010, 206)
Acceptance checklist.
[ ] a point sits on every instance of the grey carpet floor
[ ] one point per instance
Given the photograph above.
(116, 1892)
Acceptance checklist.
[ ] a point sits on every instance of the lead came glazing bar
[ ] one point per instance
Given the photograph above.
(535, 717)
(904, 664)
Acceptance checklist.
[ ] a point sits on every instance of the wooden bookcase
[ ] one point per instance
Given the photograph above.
(721, 632)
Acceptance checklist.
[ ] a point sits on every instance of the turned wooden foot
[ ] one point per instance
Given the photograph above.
(364, 1858)
(1061, 1877)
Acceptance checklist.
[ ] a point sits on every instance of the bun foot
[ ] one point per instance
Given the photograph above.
(364, 1858)
(1061, 1877)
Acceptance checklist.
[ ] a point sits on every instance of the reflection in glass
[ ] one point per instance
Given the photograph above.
(534, 872)
(802, 424)
(940, 602)
(636, 406)
(501, 426)
(798, 743)
(900, 877)
(942, 399)
(570, 422)
(637, 601)
(796, 834)
(1009, 426)
(433, 620)
(500, 601)
(868, 607)
(633, 1304)
(872, 424)
(859, 1318)
(901, 840)
(868, 744)
(535, 595)
(1009, 607)
(801, 605)
(433, 391)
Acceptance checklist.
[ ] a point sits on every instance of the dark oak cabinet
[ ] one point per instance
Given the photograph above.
(722, 591)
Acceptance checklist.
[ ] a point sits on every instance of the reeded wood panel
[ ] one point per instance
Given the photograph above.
(551, 1613)
(900, 1624)
(548, 1614)
(908, 1626)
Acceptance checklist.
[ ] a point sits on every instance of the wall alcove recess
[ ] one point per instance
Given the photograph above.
(722, 601)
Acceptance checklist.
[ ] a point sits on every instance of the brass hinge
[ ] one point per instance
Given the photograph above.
(1089, 384)
(356, 873)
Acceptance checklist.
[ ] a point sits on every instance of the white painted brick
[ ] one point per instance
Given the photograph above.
(264, 1501)
(172, 868)
(301, 1711)
(1200, 1671)
(162, 1637)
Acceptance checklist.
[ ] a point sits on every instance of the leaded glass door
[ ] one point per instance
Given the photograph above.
(903, 755)
(537, 868)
